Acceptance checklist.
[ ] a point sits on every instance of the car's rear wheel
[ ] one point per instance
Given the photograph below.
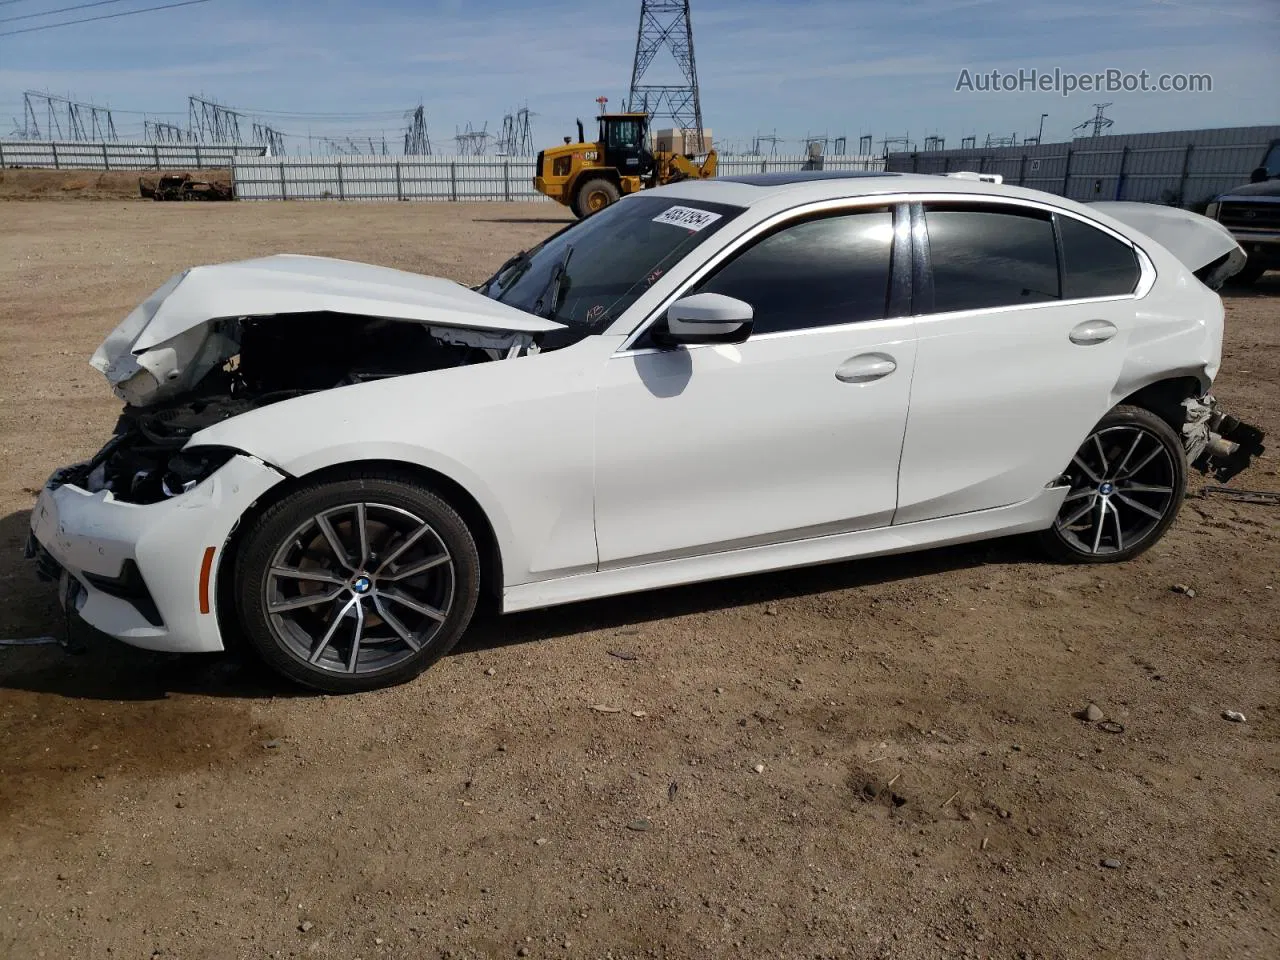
(1127, 482)
(594, 196)
(357, 583)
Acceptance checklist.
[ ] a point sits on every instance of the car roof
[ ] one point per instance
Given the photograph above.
(802, 176)
(799, 187)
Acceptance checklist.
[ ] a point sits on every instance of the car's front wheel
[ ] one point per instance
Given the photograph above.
(356, 583)
(1127, 482)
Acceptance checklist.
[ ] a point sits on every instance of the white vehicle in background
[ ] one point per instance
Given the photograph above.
(336, 461)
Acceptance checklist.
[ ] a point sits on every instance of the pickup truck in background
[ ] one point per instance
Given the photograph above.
(1251, 212)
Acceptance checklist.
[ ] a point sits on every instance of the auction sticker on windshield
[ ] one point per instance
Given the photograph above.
(690, 218)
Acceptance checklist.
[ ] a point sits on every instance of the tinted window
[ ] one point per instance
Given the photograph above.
(612, 257)
(813, 274)
(987, 258)
(1094, 263)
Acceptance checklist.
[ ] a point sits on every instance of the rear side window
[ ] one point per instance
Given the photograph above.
(816, 273)
(984, 257)
(1095, 264)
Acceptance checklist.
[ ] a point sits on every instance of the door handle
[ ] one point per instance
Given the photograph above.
(1092, 331)
(865, 367)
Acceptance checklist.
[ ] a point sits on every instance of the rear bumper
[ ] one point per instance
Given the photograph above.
(134, 571)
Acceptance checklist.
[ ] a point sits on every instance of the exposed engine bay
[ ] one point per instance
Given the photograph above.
(278, 357)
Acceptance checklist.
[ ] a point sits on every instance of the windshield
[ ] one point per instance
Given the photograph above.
(586, 275)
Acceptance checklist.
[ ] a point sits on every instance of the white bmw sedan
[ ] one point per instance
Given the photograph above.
(336, 461)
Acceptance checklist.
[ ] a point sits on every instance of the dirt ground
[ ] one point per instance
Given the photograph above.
(45, 185)
(872, 759)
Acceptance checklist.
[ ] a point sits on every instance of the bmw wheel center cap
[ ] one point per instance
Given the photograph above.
(361, 584)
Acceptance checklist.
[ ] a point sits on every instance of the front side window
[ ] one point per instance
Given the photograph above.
(1095, 264)
(586, 275)
(984, 257)
(817, 273)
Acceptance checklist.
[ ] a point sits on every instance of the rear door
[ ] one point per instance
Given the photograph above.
(1023, 319)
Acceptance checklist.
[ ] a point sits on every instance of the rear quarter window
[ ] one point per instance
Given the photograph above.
(1095, 264)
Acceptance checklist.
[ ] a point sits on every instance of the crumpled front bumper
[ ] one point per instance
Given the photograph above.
(138, 572)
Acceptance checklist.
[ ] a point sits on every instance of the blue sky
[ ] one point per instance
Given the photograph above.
(851, 67)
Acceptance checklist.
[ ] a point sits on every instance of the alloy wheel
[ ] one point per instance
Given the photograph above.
(359, 588)
(1122, 487)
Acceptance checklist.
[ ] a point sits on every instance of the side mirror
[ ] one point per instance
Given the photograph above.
(705, 318)
(1258, 175)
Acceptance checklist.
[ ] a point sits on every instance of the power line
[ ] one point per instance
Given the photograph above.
(50, 13)
(104, 16)
(302, 114)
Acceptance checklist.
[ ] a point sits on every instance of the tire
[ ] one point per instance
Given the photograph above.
(593, 196)
(1250, 275)
(1115, 510)
(343, 622)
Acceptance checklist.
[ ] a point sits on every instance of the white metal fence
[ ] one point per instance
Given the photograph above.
(119, 155)
(442, 178)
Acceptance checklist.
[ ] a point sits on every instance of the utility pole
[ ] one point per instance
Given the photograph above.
(666, 25)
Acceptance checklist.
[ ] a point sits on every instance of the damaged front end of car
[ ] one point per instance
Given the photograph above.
(216, 342)
(276, 359)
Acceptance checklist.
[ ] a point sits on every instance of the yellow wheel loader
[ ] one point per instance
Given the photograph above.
(587, 177)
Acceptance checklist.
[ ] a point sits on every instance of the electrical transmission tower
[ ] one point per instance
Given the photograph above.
(516, 139)
(822, 140)
(473, 143)
(935, 143)
(1001, 141)
(416, 141)
(209, 122)
(761, 140)
(665, 24)
(864, 145)
(155, 131)
(1098, 121)
(903, 145)
(968, 143)
(273, 140)
(65, 119)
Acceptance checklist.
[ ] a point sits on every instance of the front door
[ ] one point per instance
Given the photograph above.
(795, 433)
